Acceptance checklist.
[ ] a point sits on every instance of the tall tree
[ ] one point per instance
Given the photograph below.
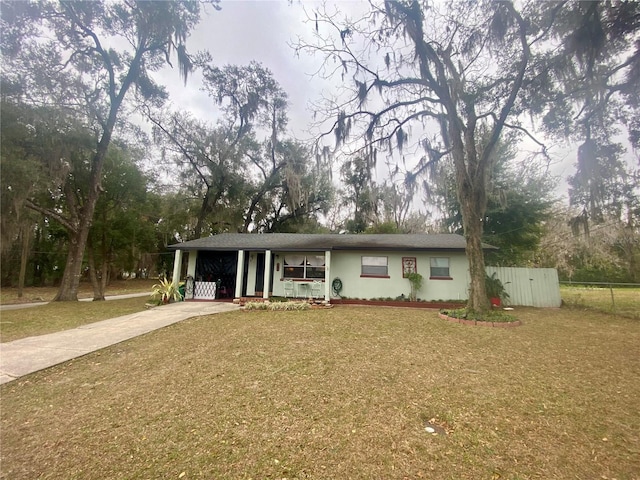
(302, 193)
(359, 194)
(245, 173)
(20, 174)
(454, 68)
(519, 199)
(121, 229)
(254, 103)
(86, 56)
(211, 167)
(591, 96)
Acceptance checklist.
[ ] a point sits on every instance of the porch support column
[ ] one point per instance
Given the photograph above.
(267, 274)
(177, 267)
(239, 270)
(327, 275)
(191, 266)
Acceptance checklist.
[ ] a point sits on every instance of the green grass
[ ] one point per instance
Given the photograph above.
(9, 296)
(58, 316)
(339, 393)
(625, 301)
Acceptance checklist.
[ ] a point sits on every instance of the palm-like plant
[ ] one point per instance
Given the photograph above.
(166, 291)
(495, 288)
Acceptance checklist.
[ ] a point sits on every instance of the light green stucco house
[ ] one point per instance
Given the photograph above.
(325, 266)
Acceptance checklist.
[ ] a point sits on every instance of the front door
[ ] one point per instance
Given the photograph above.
(259, 273)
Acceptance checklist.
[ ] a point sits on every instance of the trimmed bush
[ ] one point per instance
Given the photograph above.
(277, 306)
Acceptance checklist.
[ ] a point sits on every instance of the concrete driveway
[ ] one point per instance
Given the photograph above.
(31, 354)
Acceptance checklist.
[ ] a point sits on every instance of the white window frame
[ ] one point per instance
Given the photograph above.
(433, 264)
(374, 266)
(306, 266)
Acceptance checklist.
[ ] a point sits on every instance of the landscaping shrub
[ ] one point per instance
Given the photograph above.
(277, 306)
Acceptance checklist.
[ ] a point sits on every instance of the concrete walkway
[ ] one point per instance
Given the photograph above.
(29, 355)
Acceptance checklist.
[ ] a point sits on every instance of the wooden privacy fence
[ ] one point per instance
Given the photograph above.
(533, 287)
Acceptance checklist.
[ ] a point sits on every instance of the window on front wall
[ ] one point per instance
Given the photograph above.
(304, 266)
(375, 266)
(439, 267)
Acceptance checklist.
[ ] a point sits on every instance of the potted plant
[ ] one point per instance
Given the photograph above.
(495, 290)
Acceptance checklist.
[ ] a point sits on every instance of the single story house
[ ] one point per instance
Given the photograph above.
(324, 266)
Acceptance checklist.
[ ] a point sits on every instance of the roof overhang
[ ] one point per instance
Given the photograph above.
(293, 242)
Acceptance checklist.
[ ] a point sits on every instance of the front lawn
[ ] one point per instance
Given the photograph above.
(9, 295)
(58, 316)
(340, 393)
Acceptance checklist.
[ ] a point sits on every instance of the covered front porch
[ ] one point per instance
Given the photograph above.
(233, 274)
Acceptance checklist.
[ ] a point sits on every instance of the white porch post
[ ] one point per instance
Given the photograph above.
(267, 274)
(191, 266)
(239, 270)
(327, 275)
(177, 266)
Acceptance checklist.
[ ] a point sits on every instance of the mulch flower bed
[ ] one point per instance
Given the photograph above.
(478, 323)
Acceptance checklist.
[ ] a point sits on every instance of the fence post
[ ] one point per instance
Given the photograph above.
(613, 301)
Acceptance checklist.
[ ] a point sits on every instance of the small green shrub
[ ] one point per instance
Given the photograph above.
(415, 279)
(255, 306)
(285, 306)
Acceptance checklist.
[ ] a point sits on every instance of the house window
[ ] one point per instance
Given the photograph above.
(374, 266)
(439, 267)
(304, 266)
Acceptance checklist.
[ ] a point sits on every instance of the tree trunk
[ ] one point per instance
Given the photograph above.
(26, 237)
(78, 238)
(471, 189)
(106, 276)
(37, 270)
(478, 299)
(68, 290)
(98, 291)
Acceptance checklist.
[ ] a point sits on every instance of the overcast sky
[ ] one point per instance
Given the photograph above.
(256, 30)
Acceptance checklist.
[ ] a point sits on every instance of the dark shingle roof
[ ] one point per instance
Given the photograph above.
(329, 241)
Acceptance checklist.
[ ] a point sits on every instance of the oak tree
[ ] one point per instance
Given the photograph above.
(86, 57)
(432, 80)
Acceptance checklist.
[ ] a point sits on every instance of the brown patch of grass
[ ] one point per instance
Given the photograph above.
(58, 316)
(9, 296)
(340, 393)
(625, 301)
